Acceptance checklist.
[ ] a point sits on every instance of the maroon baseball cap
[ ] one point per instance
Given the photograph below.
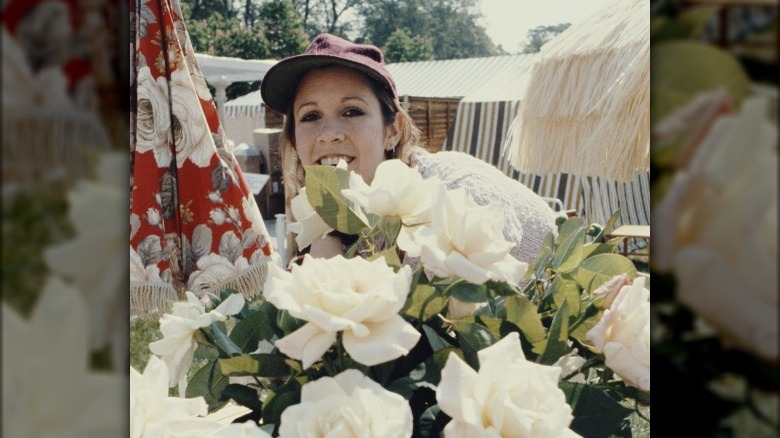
(280, 81)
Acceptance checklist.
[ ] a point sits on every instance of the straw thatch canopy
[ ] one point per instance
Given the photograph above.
(586, 110)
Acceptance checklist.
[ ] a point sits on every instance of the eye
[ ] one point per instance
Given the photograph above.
(309, 117)
(353, 112)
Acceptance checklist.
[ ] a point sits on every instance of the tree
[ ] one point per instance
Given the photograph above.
(450, 25)
(540, 35)
(403, 47)
(282, 27)
(203, 9)
(338, 17)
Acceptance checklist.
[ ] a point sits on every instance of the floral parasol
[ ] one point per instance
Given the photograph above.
(194, 224)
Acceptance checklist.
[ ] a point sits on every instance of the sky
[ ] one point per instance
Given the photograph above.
(507, 21)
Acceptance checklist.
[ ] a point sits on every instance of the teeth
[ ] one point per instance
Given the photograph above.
(334, 160)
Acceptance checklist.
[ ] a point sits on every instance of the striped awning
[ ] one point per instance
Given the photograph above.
(250, 104)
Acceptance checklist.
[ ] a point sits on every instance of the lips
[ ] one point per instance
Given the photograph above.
(333, 160)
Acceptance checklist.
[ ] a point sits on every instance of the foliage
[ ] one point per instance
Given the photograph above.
(540, 35)
(450, 25)
(401, 46)
(551, 312)
(32, 221)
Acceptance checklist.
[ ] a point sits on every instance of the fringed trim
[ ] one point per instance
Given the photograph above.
(249, 282)
(40, 144)
(586, 110)
(149, 299)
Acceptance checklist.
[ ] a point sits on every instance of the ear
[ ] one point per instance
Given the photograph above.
(393, 134)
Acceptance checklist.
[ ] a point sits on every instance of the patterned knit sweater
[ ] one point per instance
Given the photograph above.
(528, 217)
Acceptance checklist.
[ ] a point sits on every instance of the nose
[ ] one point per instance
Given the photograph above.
(331, 132)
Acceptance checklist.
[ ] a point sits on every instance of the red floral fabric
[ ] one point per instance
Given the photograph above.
(194, 224)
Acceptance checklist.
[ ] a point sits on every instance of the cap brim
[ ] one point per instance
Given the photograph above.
(280, 81)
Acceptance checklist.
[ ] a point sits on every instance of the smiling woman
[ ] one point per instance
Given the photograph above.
(341, 103)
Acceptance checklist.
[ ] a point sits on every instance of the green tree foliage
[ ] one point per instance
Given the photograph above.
(450, 25)
(540, 35)
(338, 17)
(403, 47)
(277, 32)
(282, 27)
(203, 9)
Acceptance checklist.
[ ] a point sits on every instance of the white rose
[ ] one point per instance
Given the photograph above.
(192, 136)
(623, 335)
(45, 367)
(357, 297)
(218, 216)
(397, 191)
(153, 115)
(348, 405)
(309, 225)
(177, 346)
(464, 239)
(722, 211)
(151, 407)
(508, 397)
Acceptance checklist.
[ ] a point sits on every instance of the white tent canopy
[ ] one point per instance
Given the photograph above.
(221, 71)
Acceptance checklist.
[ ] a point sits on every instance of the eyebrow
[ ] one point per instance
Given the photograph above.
(345, 99)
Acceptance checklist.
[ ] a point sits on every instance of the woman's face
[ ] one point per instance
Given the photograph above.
(337, 115)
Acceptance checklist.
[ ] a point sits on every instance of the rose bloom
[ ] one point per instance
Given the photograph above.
(153, 413)
(309, 225)
(348, 405)
(357, 297)
(397, 190)
(508, 397)
(623, 335)
(177, 346)
(722, 213)
(464, 239)
(48, 387)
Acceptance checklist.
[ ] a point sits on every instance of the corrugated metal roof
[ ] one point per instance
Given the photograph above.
(493, 77)
(451, 78)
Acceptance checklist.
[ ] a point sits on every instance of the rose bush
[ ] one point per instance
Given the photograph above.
(371, 346)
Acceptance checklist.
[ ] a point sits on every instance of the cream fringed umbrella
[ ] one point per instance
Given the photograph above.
(586, 110)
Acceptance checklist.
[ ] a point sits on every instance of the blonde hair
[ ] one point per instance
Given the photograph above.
(293, 175)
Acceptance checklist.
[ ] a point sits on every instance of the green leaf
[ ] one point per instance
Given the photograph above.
(570, 226)
(545, 256)
(588, 323)
(569, 253)
(424, 302)
(222, 340)
(391, 257)
(323, 189)
(596, 270)
(288, 323)
(689, 24)
(279, 400)
(473, 337)
(556, 337)
(254, 328)
(243, 395)
(596, 414)
(522, 313)
(208, 382)
(469, 292)
(502, 288)
(596, 248)
(261, 364)
(390, 226)
(683, 69)
(610, 225)
(566, 291)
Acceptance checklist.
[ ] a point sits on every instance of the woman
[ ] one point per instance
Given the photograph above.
(340, 102)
